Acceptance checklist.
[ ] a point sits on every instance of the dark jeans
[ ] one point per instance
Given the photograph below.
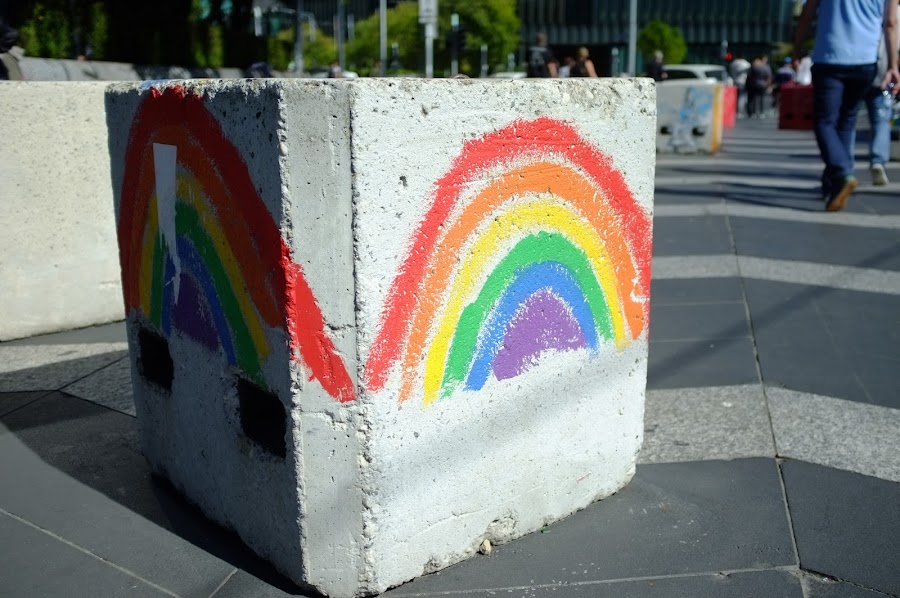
(838, 90)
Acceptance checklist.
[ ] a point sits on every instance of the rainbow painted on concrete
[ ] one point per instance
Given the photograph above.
(200, 251)
(551, 254)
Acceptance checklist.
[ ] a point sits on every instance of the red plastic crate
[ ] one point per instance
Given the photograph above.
(795, 107)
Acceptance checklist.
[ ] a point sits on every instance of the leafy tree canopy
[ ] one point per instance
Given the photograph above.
(490, 22)
(657, 35)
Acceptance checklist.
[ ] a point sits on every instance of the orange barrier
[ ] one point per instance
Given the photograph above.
(729, 106)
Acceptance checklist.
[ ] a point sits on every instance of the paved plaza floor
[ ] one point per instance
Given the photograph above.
(771, 459)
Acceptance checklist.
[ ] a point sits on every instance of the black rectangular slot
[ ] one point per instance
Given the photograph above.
(263, 418)
(155, 363)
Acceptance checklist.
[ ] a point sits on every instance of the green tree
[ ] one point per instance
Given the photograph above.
(403, 29)
(657, 35)
(490, 22)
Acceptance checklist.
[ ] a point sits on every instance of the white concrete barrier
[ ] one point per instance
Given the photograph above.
(58, 261)
(375, 323)
(690, 117)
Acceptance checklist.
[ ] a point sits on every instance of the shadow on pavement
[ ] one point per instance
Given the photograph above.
(99, 448)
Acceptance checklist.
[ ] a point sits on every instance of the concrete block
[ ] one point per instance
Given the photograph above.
(374, 323)
(58, 263)
(690, 117)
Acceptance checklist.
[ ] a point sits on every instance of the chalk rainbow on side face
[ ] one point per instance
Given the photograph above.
(200, 251)
(551, 253)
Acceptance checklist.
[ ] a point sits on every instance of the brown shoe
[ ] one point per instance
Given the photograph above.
(840, 196)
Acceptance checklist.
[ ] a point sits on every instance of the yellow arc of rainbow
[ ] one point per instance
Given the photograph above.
(542, 213)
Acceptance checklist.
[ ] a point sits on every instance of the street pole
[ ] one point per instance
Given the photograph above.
(484, 61)
(382, 25)
(429, 50)
(341, 22)
(298, 38)
(428, 16)
(454, 45)
(632, 38)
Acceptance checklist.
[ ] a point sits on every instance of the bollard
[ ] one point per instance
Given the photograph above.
(376, 323)
(690, 117)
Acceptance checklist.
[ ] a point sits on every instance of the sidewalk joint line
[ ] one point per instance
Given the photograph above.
(224, 581)
(89, 553)
(724, 572)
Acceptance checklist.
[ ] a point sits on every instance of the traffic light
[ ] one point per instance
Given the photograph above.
(456, 39)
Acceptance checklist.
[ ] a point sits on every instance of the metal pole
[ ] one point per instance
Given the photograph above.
(298, 38)
(341, 24)
(454, 48)
(382, 21)
(484, 60)
(632, 38)
(429, 50)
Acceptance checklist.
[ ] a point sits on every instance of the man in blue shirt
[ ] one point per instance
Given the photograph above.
(847, 37)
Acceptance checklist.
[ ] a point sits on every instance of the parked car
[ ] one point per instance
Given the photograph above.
(508, 75)
(714, 73)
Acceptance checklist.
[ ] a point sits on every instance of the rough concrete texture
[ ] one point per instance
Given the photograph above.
(58, 248)
(691, 117)
(374, 323)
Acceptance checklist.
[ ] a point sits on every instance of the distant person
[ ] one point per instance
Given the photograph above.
(335, 72)
(565, 69)
(10, 53)
(785, 75)
(261, 70)
(584, 66)
(740, 67)
(804, 70)
(880, 107)
(655, 67)
(541, 61)
(848, 33)
(758, 80)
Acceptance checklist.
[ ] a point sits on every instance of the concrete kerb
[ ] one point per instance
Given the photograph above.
(58, 257)
(350, 339)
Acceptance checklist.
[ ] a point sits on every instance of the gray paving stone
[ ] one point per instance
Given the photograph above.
(695, 266)
(707, 321)
(817, 586)
(847, 525)
(817, 242)
(695, 291)
(688, 364)
(110, 387)
(829, 342)
(672, 519)
(693, 424)
(75, 469)
(50, 367)
(10, 401)
(242, 585)
(808, 426)
(36, 564)
(823, 275)
(880, 203)
(695, 235)
(771, 584)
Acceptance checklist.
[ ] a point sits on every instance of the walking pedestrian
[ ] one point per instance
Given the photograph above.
(584, 66)
(541, 61)
(844, 56)
(880, 107)
(758, 80)
(655, 67)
